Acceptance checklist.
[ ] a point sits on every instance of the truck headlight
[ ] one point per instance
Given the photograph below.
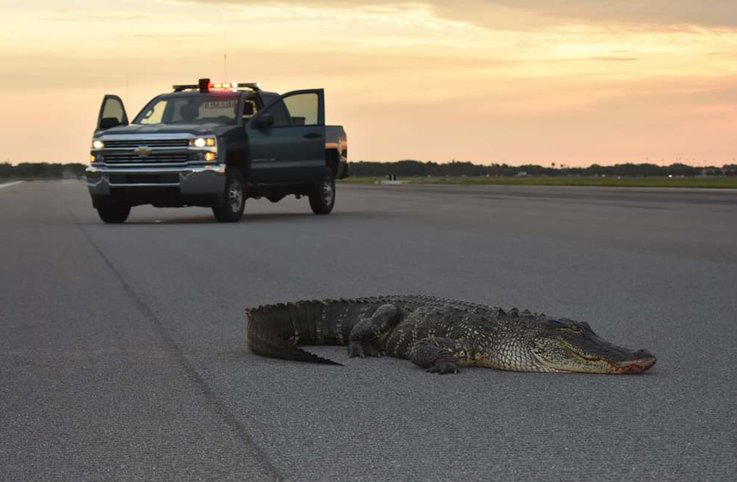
(203, 142)
(97, 144)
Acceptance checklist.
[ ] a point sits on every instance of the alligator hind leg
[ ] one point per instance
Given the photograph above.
(435, 355)
(363, 340)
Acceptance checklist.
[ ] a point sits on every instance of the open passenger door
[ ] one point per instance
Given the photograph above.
(112, 113)
(287, 138)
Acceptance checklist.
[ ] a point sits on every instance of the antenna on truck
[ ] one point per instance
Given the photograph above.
(225, 54)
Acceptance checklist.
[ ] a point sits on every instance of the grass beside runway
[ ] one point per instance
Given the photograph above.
(723, 182)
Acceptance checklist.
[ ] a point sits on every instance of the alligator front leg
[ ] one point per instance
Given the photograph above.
(435, 355)
(363, 340)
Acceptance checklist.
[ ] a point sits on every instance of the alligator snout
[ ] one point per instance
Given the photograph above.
(643, 354)
(641, 361)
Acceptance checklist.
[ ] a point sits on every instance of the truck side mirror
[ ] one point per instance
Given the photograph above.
(109, 122)
(264, 120)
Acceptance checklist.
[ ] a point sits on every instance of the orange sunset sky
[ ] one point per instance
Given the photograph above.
(516, 81)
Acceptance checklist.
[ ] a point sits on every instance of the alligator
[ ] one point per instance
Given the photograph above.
(437, 334)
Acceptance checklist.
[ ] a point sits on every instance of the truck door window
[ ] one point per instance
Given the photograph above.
(303, 109)
(280, 113)
(113, 109)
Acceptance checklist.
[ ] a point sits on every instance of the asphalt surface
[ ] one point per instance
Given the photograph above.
(122, 353)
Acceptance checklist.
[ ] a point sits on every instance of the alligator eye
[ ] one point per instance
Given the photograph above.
(574, 329)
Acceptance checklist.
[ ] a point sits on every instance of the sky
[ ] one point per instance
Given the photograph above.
(570, 82)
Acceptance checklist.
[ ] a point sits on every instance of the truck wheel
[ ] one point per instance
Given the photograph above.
(112, 212)
(322, 197)
(229, 207)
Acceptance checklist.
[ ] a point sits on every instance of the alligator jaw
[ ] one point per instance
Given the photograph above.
(625, 363)
(628, 367)
(639, 365)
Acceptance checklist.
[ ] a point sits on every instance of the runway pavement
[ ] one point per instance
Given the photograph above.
(122, 353)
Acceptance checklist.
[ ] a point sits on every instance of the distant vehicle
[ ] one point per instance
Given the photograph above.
(215, 145)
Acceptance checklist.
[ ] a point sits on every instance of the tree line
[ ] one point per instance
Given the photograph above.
(409, 168)
(41, 170)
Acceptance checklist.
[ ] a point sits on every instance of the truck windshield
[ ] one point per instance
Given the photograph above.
(189, 109)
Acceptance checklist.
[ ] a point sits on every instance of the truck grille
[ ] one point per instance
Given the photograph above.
(154, 157)
(165, 178)
(147, 142)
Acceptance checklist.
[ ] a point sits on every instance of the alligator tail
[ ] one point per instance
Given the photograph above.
(277, 330)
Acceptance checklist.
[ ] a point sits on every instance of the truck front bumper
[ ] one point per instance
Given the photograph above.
(191, 180)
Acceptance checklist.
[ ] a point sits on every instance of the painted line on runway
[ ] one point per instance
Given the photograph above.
(215, 402)
(8, 184)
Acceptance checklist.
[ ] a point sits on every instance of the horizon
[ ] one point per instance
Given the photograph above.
(499, 81)
(554, 166)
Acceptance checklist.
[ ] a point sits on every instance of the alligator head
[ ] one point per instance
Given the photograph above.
(570, 346)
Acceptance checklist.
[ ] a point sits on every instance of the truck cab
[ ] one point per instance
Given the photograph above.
(215, 145)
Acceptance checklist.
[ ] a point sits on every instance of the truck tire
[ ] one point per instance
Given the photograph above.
(322, 196)
(229, 207)
(112, 212)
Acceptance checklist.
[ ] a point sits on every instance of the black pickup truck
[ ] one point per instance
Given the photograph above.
(215, 145)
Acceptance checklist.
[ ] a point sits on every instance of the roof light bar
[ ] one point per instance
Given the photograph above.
(204, 86)
(255, 86)
(181, 87)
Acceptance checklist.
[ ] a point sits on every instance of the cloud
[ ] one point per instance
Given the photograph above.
(501, 13)
(658, 12)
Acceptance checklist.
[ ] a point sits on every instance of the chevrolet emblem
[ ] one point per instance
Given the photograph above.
(143, 151)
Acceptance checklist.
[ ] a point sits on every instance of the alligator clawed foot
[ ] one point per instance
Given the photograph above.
(355, 350)
(363, 349)
(372, 350)
(443, 367)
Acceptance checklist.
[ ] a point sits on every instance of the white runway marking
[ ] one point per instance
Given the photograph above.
(8, 184)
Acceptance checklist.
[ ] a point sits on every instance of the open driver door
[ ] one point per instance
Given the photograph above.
(112, 113)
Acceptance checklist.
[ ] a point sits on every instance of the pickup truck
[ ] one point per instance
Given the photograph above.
(215, 145)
